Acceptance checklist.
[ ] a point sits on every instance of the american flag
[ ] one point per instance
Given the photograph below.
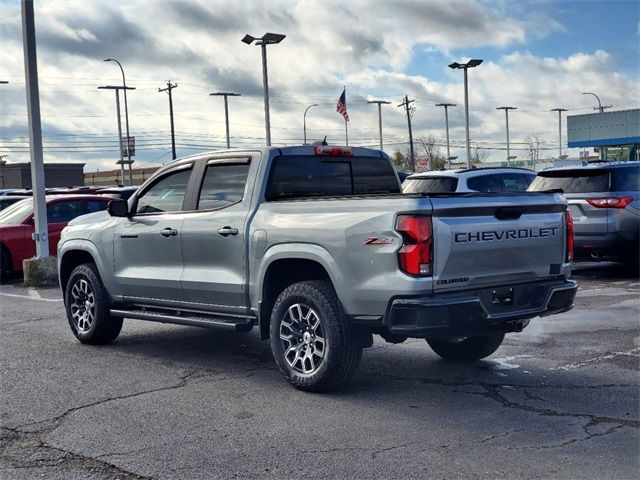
(341, 108)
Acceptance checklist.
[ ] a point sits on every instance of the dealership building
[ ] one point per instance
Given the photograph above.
(615, 134)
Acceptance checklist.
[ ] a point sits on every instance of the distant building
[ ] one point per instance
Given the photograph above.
(113, 177)
(18, 175)
(617, 133)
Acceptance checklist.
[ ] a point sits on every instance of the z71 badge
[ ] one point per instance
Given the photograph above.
(378, 240)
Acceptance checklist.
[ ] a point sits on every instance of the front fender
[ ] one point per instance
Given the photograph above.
(104, 266)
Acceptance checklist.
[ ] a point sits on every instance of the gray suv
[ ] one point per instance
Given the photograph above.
(604, 198)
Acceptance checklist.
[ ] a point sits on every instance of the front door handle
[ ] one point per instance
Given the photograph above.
(226, 231)
(169, 232)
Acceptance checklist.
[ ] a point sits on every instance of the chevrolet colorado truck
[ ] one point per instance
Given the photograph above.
(317, 247)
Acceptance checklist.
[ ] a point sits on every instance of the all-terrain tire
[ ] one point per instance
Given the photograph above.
(87, 305)
(327, 365)
(468, 350)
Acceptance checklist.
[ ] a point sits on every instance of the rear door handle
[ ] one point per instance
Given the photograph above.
(226, 231)
(169, 232)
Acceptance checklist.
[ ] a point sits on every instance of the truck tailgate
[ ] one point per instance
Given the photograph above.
(483, 240)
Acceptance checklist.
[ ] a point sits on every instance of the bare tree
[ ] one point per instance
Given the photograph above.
(534, 144)
(430, 151)
(478, 155)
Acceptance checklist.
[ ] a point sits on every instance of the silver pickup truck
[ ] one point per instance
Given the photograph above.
(319, 249)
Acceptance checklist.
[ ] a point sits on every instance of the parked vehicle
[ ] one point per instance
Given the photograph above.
(7, 200)
(16, 226)
(318, 248)
(604, 198)
(488, 180)
(118, 192)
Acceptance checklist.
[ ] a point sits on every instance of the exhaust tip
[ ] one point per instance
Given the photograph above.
(595, 255)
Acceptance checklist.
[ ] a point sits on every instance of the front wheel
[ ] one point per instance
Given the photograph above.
(467, 349)
(311, 344)
(87, 307)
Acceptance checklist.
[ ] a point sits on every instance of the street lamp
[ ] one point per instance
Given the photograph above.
(266, 39)
(380, 103)
(126, 117)
(601, 110)
(121, 162)
(559, 110)
(466, 66)
(506, 113)
(446, 123)
(304, 121)
(226, 110)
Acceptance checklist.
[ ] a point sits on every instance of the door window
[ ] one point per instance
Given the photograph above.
(166, 195)
(223, 185)
(66, 211)
(486, 183)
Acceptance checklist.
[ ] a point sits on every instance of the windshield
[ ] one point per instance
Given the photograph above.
(434, 184)
(17, 213)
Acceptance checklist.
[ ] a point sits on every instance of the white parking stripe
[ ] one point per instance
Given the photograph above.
(30, 296)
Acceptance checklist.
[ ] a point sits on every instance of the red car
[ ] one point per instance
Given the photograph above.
(16, 226)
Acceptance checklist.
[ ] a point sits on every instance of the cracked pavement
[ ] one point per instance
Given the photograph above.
(560, 400)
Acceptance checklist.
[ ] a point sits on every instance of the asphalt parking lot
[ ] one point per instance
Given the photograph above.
(560, 400)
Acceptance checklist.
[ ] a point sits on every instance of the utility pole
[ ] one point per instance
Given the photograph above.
(446, 123)
(506, 113)
(41, 232)
(170, 87)
(559, 110)
(406, 104)
(226, 110)
(380, 103)
(121, 162)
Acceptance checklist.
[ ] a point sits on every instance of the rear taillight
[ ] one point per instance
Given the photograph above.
(329, 151)
(569, 221)
(415, 257)
(610, 202)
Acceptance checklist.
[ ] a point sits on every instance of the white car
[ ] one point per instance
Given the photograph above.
(498, 179)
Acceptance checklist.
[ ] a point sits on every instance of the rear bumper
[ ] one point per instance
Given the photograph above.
(475, 313)
(610, 245)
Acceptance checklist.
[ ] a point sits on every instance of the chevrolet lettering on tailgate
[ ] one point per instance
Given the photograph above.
(491, 236)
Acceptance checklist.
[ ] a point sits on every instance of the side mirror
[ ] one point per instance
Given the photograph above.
(118, 208)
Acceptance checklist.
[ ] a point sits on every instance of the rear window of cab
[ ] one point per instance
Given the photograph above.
(297, 176)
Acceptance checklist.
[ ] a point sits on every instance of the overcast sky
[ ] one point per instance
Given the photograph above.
(538, 55)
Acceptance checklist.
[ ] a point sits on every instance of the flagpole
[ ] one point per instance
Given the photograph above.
(346, 132)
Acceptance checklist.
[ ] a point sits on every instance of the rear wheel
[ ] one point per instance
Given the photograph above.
(311, 344)
(467, 349)
(87, 307)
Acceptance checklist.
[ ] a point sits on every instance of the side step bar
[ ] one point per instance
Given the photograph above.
(235, 323)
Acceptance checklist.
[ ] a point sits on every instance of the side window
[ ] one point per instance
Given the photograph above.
(517, 182)
(94, 206)
(166, 195)
(65, 211)
(223, 185)
(486, 183)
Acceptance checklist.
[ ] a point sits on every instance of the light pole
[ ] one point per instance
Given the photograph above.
(126, 118)
(266, 39)
(121, 162)
(466, 66)
(601, 109)
(304, 121)
(226, 110)
(380, 103)
(559, 110)
(506, 116)
(446, 123)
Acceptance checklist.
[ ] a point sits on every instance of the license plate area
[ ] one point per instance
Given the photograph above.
(502, 297)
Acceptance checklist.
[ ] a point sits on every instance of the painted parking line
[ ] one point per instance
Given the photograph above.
(31, 295)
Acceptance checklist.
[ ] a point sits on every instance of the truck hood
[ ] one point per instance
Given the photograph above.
(95, 217)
